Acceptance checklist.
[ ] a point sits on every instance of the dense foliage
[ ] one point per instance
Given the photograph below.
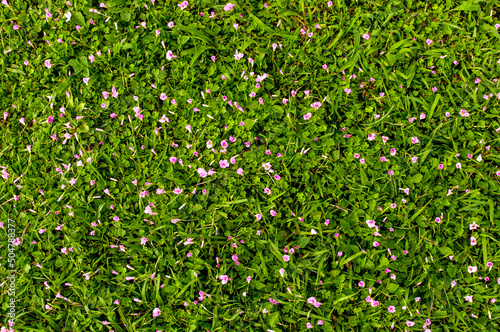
(295, 165)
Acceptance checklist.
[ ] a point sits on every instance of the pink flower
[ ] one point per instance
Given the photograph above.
(228, 7)
(267, 191)
(177, 191)
(48, 64)
(202, 172)
(366, 36)
(273, 213)
(429, 42)
(391, 309)
(361, 284)
(376, 244)
(183, 5)
(348, 91)
(307, 116)
(164, 119)
(238, 55)
(170, 55)
(316, 105)
(223, 163)
(314, 302)
(224, 278)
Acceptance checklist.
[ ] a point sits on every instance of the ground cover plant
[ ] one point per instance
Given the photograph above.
(281, 166)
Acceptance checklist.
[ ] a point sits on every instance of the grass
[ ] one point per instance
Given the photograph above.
(289, 166)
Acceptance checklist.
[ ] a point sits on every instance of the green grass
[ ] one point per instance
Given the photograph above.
(421, 76)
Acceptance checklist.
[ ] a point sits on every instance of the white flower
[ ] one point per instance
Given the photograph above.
(68, 16)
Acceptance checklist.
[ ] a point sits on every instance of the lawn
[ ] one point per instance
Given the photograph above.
(249, 166)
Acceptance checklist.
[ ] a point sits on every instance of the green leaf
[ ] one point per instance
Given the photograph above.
(446, 251)
(16, 71)
(343, 262)
(392, 287)
(77, 67)
(492, 29)
(78, 18)
(273, 319)
(259, 23)
(410, 74)
(434, 104)
(303, 241)
(198, 52)
(125, 15)
(417, 178)
(468, 8)
(196, 33)
(48, 319)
